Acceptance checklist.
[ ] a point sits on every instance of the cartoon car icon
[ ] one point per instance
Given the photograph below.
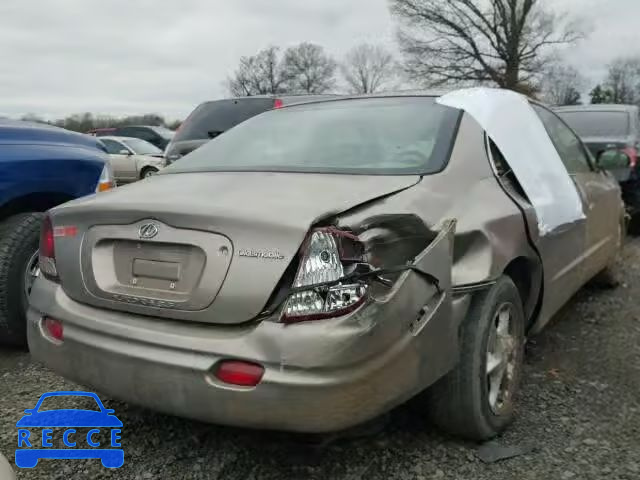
(70, 419)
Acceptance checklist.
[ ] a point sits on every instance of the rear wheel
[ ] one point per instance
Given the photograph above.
(19, 238)
(476, 399)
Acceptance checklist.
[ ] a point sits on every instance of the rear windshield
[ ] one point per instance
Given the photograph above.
(141, 147)
(164, 132)
(213, 118)
(397, 135)
(598, 124)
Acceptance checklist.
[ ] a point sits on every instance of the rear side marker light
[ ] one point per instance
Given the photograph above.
(65, 231)
(242, 374)
(53, 328)
(106, 181)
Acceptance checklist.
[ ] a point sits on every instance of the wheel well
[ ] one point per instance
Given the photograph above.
(146, 169)
(527, 280)
(35, 202)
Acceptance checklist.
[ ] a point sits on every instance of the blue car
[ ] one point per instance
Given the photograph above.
(31, 447)
(41, 167)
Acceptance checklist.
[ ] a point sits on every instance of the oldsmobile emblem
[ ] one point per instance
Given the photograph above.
(260, 253)
(148, 230)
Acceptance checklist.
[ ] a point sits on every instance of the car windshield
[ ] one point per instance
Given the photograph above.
(141, 147)
(598, 123)
(164, 132)
(393, 135)
(69, 402)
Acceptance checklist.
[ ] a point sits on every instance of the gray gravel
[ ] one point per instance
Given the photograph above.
(579, 409)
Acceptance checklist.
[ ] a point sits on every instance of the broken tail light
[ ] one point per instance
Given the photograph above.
(327, 256)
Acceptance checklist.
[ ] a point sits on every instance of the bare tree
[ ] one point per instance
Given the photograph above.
(623, 80)
(308, 69)
(258, 74)
(562, 85)
(366, 68)
(500, 42)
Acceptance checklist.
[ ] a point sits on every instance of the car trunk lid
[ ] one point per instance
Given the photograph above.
(206, 247)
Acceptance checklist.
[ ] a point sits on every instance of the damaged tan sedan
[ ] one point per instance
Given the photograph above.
(320, 264)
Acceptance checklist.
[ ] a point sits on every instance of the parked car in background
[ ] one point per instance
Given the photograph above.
(40, 167)
(132, 158)
(210, 119)
(321, 263)
(606, 127)
(158, 136)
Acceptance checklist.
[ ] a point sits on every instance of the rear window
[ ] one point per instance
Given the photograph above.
(164, 132)
(141, 147)
(213, 118)
(598, 124)
(397, 135)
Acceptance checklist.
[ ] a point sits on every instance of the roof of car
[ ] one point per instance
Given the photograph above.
(12, 130)
(600, 107)
(392, 94)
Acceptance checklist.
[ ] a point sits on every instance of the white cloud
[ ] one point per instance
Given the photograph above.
(125, 57)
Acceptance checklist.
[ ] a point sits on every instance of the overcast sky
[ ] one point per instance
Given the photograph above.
(124, 57)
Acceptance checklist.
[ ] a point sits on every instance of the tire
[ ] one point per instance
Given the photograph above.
(19, 238)
(459, 403)
(148, 172)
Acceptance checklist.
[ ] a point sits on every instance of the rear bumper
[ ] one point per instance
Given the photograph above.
(319, 376)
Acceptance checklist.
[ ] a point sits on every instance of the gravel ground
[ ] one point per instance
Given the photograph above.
(579, 409)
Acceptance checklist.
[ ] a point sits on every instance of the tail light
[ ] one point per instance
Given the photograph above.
(278, 103)
(53, 328)
(327, 256)
(47, 254)
(632, 153)
(106, 180)
(236, 372)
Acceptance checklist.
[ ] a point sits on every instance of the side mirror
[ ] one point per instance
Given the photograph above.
(124, 151)
(613, 160)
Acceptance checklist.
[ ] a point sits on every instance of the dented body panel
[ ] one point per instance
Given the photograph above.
(430, 243)
(319, 376)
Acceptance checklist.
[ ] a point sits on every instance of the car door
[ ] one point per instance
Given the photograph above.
(598, 190)
(124, 166)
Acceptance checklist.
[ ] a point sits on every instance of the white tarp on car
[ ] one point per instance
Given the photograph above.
(515, 128)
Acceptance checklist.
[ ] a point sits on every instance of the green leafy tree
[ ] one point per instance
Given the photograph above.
(601, 95)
